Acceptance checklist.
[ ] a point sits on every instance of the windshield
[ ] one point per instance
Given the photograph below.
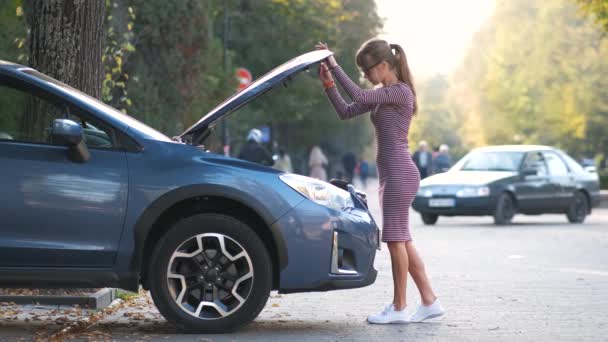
(131, 122)
(491, 161)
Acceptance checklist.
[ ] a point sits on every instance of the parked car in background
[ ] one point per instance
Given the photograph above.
(502, 181)
(95, 198)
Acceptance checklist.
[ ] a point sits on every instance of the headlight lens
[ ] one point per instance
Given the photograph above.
(482, 191)
(425, 192)
(319, 192)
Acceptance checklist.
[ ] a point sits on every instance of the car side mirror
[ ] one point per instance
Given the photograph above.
(69, 133)
(66, 132)
(529, 171)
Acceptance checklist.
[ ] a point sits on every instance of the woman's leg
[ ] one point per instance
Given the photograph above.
(399, 262)
(418, 272)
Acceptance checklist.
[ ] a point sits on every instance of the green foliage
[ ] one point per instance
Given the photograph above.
(12, 31)
(119, 45)
(536, 74)
(598, 9)
(604, 181)
(436, 122)
(177, 62)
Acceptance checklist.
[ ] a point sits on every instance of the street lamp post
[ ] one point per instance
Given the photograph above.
(225, 133)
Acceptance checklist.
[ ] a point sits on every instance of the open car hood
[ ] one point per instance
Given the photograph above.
(197, 132)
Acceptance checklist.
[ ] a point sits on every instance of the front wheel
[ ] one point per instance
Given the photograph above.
(505, 209)
(429, 219)
(578, 209)
(210, 273)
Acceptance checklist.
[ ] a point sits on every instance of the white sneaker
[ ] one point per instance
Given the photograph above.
(427, 312)
(388, 315)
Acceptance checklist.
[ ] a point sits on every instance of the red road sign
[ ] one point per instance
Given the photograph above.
(244, 77)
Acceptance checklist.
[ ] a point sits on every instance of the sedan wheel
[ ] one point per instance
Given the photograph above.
(505, 209)
(578, 209)
(429, 219)
(210, 273)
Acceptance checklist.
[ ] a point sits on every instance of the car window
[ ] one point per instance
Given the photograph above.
(492, 161)
(573, 165)
(28, 118)
(536, 161)
(556, 164)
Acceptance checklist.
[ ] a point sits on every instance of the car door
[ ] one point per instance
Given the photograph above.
(56, 212)
(561, 178)
(534, 192)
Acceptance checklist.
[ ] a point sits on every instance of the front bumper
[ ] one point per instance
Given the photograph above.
(327, 249)
(462, 206)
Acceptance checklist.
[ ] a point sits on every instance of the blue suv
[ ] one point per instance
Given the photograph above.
(94, 198)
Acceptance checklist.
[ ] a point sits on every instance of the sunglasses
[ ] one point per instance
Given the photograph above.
(368, 69)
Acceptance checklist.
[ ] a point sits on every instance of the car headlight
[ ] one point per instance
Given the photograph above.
(482, 191)
(425, 192)
(318, 191)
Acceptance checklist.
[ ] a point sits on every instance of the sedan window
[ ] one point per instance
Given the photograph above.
(556, 165)
(536, 161)
(492, 161)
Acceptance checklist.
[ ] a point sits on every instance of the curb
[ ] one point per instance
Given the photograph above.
(97, 300)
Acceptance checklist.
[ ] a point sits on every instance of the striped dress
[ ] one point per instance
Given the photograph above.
(391, 110)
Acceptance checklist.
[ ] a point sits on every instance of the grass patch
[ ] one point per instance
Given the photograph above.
(125, 295)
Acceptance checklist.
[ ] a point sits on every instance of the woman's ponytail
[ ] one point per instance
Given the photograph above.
(403, 70)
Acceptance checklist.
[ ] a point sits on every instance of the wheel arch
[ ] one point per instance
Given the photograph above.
(160, 216)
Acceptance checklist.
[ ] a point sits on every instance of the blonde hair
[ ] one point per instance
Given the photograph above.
(375, 51)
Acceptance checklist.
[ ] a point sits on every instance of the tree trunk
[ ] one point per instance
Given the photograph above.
(65, 41)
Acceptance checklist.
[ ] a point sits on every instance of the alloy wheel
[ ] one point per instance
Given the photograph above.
(210, 276)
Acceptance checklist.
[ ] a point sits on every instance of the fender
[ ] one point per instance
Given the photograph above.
(158, 207)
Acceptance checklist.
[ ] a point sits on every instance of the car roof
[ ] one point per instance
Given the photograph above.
(6, 65)
(514, 148)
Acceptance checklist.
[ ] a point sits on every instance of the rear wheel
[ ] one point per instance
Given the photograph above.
(429, 219)
(505, 209)
(579, 207)
(210, 273)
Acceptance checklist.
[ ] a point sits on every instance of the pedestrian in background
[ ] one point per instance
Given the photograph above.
(363, 172)
(349, 161)
(392, 107)
(423, 159)
(283, 162)
(442, 161)
(253, 150)
(317, 163)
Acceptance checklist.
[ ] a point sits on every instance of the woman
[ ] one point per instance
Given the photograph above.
(317, 163)
(392, 107)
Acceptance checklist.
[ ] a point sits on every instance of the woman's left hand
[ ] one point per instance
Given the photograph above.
(324, 73)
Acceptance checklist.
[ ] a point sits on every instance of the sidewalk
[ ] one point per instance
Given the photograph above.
(603, 198)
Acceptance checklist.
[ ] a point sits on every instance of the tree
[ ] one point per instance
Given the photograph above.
(597, 8)
(536, 74)
(65, 41)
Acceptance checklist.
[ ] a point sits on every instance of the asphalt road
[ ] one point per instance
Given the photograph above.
(538, 279)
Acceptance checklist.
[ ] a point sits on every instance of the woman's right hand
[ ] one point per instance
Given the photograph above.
(331, 61)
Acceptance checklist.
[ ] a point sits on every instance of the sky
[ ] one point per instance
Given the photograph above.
(435, 34)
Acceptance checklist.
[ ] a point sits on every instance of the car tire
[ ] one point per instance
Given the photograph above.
(578, 209)
(505, 209)
(210, 273)
(429, 219)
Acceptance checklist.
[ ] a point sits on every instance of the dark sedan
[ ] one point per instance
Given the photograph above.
(504, 180)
